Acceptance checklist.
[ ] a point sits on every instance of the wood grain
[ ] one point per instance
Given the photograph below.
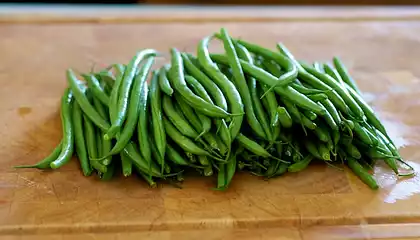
(320, 203)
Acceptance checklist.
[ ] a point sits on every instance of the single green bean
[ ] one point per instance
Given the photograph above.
(45, 163)
(159, 135)
(164, 83)
(79, 140)
(143, 123)
(361, 172)
(342, 70)
(126, 164)
(299, 166)
(67, 147)
(284, 117)
(324, 151)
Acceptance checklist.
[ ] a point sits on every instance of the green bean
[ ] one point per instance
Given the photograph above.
(361, 173)
(271, 67)
(189, 114)
(256, 102)
(107, 77)
(307, 91)
(329, 119)
(333, 73)
(113, 98)
(91, 145)
(241, 84)
(174, 156)
(272, 105)
(362, 134)
(177, 118)
(67, 146)
(79, 94)
(281, 169)
(106, 144)
(318, 66)
(192, 67)
(342, 70)
(284, 62)
(331, 110)
(352, 151)
(226, 86)
(314, 81)
(372, 136)
(308, 123)
(177, 78)
(109, 173)
(159, 135)
(254, 147)
(311, 115)
(324, 152)
(341, 91)
(299, 166)
(230, 169)
(221, 177)
(124, 91)
(164, 83)
(142, 124)
(284, 117)
(370, 114)
(259, 110)
(390, 149)
(45, 163)
(208, 171)
(318, 97)
(312, 149)
(126, 164)
(265, 77)
(203, 160)
(148, 179)
(273, 116)
(136, 96)
(185, 143)
(160, 160)
(321, 132)
(79, 140)
(145, 165)
(96, 87)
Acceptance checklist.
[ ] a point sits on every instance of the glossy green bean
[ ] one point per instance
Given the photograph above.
(284, 117)
(361, 172)
(79, 139)
(185, 143)
(177, 79)
(143, 123)
(125, 89)
(240, 83)
(177, 118)
(163, 80)
(146, 166)
(314, 81)
(45, 163)
(227, 87)
(341, 91)
(265, 77)
(299, 166)
(192, 67)
(362, 134)
(324, 152)
(79, 94)
(67, 146)
(126, 164)
(312, 148)
(97, 90)
(159, 135)
(342, 70)
(91, 145)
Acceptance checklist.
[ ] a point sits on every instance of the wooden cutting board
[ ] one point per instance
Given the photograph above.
(380, 46)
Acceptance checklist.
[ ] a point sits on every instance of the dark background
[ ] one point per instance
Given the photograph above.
(236, 2)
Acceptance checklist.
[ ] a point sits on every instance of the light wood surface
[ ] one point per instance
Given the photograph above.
(319, 203)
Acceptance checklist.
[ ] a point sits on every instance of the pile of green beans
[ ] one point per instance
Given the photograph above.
(248, 108)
